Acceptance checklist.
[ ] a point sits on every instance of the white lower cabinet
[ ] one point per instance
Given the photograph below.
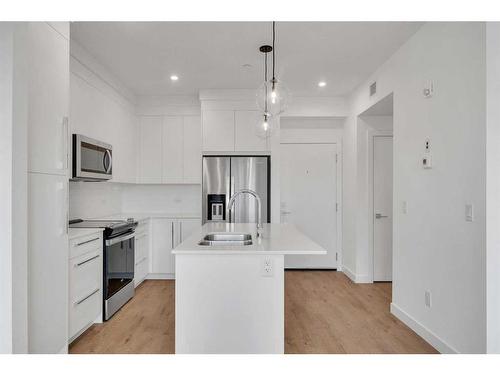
(85, 283)
(142, 258)
(166, 235)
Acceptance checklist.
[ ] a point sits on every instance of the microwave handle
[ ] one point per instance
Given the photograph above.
(107, 155)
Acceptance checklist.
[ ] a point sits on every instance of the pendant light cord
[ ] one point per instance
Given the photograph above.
(265, 80)
(274, 49)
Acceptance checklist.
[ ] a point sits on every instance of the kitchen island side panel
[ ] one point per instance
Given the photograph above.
(227, 304)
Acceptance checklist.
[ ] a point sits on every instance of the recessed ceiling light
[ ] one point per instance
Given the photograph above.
(322, 84)
(174, 78)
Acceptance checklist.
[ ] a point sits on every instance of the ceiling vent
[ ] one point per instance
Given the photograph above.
(373, 88)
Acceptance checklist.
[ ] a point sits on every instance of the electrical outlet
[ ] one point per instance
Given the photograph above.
(428, 299)
(427, 145)
(267, 267)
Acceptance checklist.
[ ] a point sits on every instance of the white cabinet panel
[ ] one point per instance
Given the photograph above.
(141, 256)
(151, 150)
(218, 130)
(48, 103)
(163, 243)
(172, 149)
(192, 149)
(61, 27)
(48, 263)
(245, 137)
(186, 227)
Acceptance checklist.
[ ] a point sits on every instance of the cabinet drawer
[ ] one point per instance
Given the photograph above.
(85, 290)
(81, 245)
(84, 311)
(85, 275)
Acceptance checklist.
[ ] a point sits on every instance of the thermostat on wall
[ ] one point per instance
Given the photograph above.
(426, 162)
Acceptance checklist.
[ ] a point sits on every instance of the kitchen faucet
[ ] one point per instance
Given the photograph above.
(259, 207)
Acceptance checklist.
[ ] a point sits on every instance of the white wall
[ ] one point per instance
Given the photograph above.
(13, 189)
(435, 249)
(493, 186)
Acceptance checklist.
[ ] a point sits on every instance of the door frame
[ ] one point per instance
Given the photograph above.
(372, 134)
(338, 144)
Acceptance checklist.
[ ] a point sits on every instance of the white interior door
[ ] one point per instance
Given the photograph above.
(309, 197)
(382, 205)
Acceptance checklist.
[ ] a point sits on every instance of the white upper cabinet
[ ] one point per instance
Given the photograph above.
(192, 149)
(245, 137)
(48, 102)
(172, 149)
(230, 130)
(150, 164)
(218, 130)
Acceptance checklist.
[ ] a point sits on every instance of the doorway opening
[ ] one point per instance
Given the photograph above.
(310, 186)
(378, 120)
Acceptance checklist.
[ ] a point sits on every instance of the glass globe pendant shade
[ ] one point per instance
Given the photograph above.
(273, 97)
(265, 127)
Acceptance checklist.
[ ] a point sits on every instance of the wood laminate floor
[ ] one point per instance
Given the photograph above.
(324, 313)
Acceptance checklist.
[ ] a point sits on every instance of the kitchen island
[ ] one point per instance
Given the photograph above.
(229, 298)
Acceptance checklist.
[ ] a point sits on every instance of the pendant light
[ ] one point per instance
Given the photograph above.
(273, 96)
(264, 128)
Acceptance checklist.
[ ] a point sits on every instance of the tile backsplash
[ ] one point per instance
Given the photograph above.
(162, 198)
(98, 199)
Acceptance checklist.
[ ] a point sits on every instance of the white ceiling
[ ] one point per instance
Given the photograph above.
(211, 55)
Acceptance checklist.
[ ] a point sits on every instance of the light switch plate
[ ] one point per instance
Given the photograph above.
(469, 212)
(427, 161)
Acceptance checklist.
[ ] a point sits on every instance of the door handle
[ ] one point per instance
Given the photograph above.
(380, 216)
(172, 234)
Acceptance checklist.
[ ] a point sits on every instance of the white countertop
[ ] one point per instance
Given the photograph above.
(80, 232)
(141, 216)
(280, 239)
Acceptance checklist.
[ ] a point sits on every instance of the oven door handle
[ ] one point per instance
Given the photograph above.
(116, 240)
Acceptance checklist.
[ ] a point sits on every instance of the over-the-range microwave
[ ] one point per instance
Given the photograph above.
(92, 159)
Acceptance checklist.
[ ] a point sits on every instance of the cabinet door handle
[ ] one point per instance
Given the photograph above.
(84, 242)
(172, 234)
(65, 141)
(180, 231)
(86, 298)
(86, 261)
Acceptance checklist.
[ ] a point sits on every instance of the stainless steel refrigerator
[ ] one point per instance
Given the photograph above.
(225, 175)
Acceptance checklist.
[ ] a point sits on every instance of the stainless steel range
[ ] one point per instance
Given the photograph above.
(119, 254)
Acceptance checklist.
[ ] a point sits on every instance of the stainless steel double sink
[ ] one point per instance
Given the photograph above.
(226, 239)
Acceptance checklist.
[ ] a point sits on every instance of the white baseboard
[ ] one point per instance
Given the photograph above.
(429, 336)
(160, 276)
(349, 273)
(358, 279)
